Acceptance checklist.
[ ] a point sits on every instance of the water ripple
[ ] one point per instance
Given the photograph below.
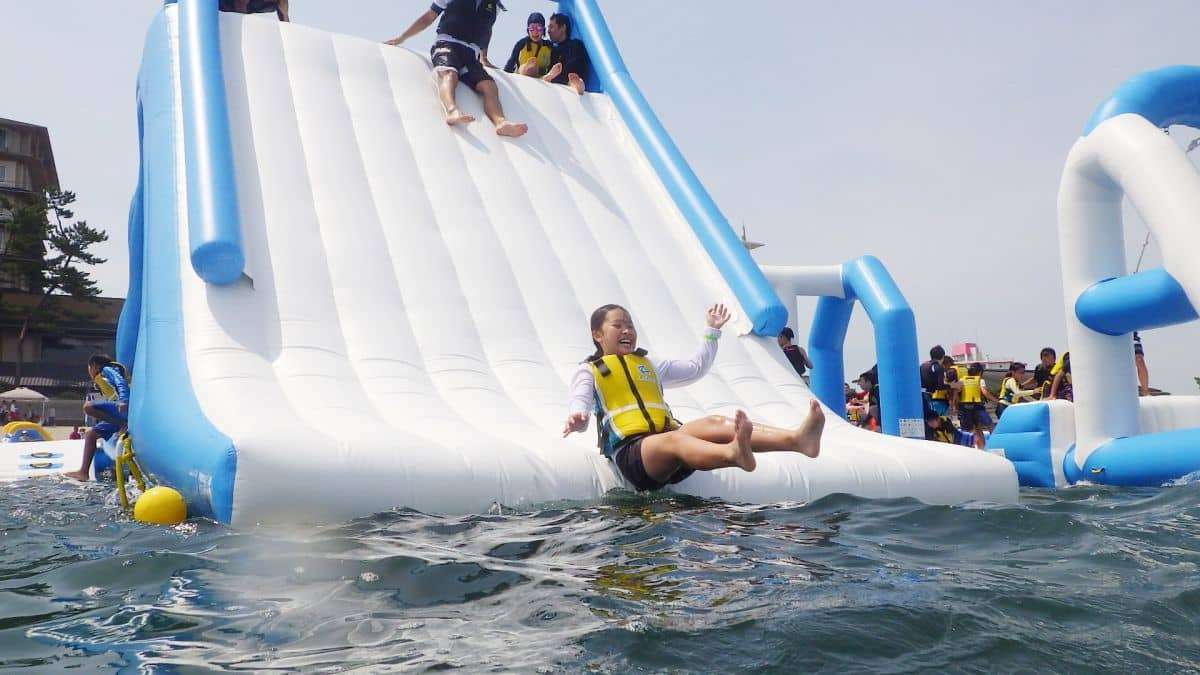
(1092, 578)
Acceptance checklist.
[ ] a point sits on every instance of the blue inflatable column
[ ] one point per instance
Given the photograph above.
(867, 281)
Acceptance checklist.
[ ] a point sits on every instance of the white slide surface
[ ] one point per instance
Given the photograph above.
(420, 299)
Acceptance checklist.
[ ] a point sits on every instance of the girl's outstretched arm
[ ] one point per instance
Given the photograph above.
(581, 400)
(680, 373)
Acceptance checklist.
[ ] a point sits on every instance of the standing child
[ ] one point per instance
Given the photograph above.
(1060, 386)
(112, 379)
(972, 415)
(637, 432)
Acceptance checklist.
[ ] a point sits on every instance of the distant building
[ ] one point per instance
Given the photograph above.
(55, 354)
(26, 171)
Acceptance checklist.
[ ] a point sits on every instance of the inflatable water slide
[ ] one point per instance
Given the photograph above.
(1108, 434)
(338, 305)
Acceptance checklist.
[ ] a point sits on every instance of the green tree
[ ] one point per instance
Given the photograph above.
(46, 249)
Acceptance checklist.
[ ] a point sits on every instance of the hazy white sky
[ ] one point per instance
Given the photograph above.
(931, 134)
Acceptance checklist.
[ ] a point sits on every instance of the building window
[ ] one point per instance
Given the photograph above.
(3, 173)
(3, 139)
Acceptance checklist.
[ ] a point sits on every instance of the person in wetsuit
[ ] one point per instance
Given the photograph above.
(794, 353)
(460, 53)
(570, 59)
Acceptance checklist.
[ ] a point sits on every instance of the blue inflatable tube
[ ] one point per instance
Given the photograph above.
(173, 439)
(131, 311)
(1148, 460)
(1150, 299)
(743, 275)
(1165, 96)
(214, 227)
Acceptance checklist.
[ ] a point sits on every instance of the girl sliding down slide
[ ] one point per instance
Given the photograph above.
(624, 389)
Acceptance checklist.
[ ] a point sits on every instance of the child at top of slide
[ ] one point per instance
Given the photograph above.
(112, 379)
(624, 389)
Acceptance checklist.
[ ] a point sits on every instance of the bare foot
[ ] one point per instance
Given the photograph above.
(555, 71)
(808, 435)
(512, 129)
(575, 82)
(81, 476)
(455, 116)
(743, 453)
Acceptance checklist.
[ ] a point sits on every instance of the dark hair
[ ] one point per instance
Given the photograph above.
(562, 20)
(1066, 361)
(102, 361)
(869, 377)
(788, 334)
(975, 369)
(1048, 351)
(537, 18)
(937, 353)
(1015, 366)
(596, 322)
(951, 375)
(948, 361)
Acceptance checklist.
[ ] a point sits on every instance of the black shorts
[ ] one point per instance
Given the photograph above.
(973, 416)
(628, 459)
(462, 60)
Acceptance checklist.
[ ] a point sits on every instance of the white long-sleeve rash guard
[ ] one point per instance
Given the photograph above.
(671, 373)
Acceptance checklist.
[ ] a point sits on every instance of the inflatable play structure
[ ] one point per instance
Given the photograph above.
(1109, 435)
(338, 305)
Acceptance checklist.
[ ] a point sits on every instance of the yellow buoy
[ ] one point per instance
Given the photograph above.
(160, 506)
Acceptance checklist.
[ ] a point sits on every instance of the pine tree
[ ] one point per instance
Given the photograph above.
(45, 249)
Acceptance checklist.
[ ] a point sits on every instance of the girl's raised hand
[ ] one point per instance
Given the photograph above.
(717, 316)
(575, 422)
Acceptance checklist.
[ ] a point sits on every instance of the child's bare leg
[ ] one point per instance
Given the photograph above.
(805, 439)
(89, 450)
(662, 454)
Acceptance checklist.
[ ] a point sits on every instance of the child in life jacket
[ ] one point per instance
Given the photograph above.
(1011, 392)
(624, 389)
(972, 415)
(1061, 386)
(112, 379)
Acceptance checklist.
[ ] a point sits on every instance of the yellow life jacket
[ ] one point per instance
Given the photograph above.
(536, 51)
(629, 399)
(972, 389)
(113, 381)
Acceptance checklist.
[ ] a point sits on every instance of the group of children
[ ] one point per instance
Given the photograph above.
(953, 390)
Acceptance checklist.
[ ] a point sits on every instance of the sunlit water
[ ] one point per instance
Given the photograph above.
(1085, 579)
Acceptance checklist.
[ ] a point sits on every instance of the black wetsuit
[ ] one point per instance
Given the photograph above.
(574, 59)
(796, 356)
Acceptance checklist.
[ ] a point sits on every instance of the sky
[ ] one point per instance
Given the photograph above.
(931, 134)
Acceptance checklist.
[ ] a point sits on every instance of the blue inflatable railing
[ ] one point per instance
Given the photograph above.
(866, 280)
(214, 227)
(744, 277)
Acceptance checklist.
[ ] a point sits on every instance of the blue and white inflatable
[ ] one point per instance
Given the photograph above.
(338, 305)
(1109, 435)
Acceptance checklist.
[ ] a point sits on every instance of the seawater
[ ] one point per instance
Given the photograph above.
(1080, 580)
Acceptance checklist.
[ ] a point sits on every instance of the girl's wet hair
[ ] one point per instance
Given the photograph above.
(597, 322)
(1015, 366)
